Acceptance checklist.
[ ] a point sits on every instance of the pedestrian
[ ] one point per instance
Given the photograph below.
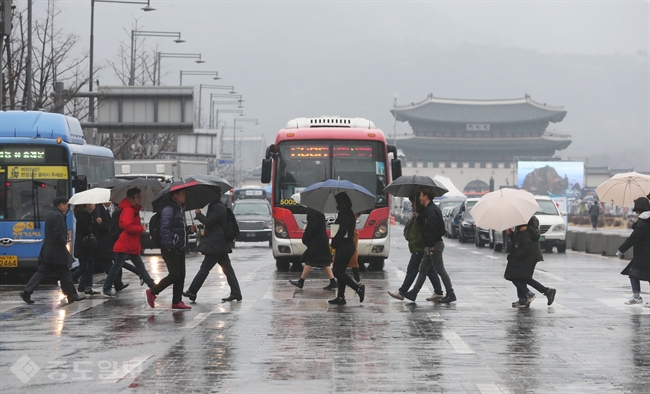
(639, 268)
(413, 234)
(54, 256)
(84, 251)
(594, 212)
(523, 258)
(215, 248)
(343, 243)
(318, 249)
(433, 228)
(105, 244)
(174, 239)
(128, 243)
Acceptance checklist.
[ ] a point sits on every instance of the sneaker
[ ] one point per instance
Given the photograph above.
(518, 304)
(297, 283)
(435, 297)
(396, 294)
(634, 301)
(75, 297)
(550, 296)
(26, 297)
(181, 305)
(338, 301)
(150, 297)
(190, 295)
(529, 298)
(90, 292)
(110, 294)
(361, 292)
(451, 297)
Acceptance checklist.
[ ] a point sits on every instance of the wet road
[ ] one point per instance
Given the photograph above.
(281, 339)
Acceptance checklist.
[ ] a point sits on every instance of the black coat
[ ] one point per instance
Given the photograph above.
(347, 223)
(432, 224)
(316, 240)
(104, 238)
(214, 236)
(54, 249)
(85, 225)
(521, 260)
(640, 238)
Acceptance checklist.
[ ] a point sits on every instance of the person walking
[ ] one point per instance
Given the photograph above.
(318, 249)
(128, 243)
(343, 243)
(594, 212)
(215, 248)
(639, 268)
(174, 238)
(83, 250)
(522, 260)
(105, 243)
(433, 228)
(413, 234)
(54, 256)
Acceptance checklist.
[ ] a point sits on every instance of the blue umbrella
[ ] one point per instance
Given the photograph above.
(320, 196)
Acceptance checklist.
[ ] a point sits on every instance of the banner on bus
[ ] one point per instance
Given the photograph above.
(37, 172)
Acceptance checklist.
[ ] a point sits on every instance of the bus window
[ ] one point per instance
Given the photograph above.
(300, 165)
(362, 163)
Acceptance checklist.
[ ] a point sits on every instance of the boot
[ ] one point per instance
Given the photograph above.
(298, 283)
(332, 285)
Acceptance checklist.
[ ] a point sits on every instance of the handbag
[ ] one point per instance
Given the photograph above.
(90, 242)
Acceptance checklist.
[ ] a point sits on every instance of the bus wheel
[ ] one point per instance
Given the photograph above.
(282, 264)
(376, 264)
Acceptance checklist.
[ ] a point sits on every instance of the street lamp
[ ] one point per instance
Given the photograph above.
(201, 86)
(234, 161)
(160, 55)
(223, 111)
(214, 103)
(213, 74)
(91, 101)
(136, 33)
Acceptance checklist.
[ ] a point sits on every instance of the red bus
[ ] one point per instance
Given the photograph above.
(310, 150)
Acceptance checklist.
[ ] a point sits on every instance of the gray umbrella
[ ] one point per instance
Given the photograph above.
(409, 185)
(110, 183)
(148, 188)
(222, 183)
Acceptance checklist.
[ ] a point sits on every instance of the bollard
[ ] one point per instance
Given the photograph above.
(570, 239)
(580, 242)
(592, 244)
(630, 252)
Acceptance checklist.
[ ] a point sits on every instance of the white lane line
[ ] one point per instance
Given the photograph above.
(491, 257)
(248, 277)
(477, 252)
(619, 304)
(557, 278)
(74, 308)
(132, 367)
(197, 320)
(435, 317)
(489, 388)
(458, 344)
(399, 273)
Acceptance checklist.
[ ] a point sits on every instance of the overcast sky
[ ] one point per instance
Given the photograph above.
(302, 58)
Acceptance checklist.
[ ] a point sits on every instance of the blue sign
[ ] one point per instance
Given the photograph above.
(226, 161)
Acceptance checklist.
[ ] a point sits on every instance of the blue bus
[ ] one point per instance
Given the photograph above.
(42, 156)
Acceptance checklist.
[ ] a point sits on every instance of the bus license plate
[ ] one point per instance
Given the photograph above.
(8, 261)
(542, 238)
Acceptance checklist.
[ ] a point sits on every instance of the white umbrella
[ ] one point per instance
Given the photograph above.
(624, 188)
(97, 195)
(505, 208)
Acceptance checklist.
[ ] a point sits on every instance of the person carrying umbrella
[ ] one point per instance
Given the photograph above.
(343, 242)
(174, 238)
(639, 268)
(83, 251)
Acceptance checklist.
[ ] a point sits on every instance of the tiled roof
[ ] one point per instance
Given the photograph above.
(479, 111)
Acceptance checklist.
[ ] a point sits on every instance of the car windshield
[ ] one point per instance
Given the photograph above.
(445, 204)
(546, 207)
(251, 209)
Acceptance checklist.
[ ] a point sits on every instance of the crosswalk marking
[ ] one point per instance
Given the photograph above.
(619, 304)
(557, 278)
(489, 388)
(128, 368)
(458, 344)
(75, 307)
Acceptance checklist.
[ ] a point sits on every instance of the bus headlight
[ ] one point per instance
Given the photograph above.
(559, 227)
(381, 230)
(281, 229)
(268, 225)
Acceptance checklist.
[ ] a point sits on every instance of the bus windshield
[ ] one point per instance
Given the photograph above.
(300, 164)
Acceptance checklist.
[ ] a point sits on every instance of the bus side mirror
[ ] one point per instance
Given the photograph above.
(396, 168)
(80, 183)
(266, 170)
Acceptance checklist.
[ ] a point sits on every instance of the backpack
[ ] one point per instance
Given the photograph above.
(232, 228)
(154, 230)
(114, 228)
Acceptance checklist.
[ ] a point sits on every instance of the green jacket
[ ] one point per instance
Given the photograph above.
(413, 234)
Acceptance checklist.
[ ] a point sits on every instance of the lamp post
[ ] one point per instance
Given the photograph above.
(214, 103)
(234, 160)
(160, 55)
(223, 111)
(91, 100)
(213, 74)
(201, 86)
(137, 33)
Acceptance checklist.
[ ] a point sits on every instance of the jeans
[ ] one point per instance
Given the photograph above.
(61, 270)
(435, 259)
(106, 267)
(85, 272)
(120, 258)
(412, 272)
(341, 260)
(636, 285)
(175, 261)
(522, 289)
(208, 262)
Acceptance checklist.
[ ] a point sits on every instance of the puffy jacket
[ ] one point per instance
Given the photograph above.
(85, 226)
(433, 227)
(129, 240)
(214, 238)
(173, 230)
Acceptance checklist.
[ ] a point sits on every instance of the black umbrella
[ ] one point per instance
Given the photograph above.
(198, 194)
(409, 185)
(225, 186)
(110, 183)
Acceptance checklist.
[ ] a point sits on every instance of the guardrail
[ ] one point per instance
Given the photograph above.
(603, 243)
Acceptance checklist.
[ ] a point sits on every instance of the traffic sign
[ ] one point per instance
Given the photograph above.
(226, 161)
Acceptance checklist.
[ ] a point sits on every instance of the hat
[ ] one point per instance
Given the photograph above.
(641, 204)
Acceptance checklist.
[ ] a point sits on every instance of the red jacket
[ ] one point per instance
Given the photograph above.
(129, 240)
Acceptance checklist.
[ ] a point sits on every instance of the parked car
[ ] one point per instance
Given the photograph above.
(552, 228)
(254, 220)
(451, 227)
(405, 212)
(466, 226)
